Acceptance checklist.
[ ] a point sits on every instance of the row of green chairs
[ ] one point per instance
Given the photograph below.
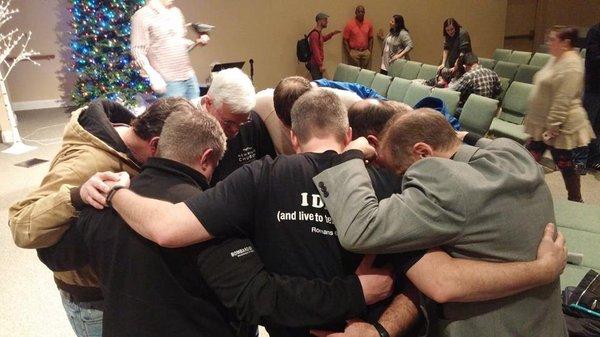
(477, 113)
(412, 70)
(516, 72)
(519, 57)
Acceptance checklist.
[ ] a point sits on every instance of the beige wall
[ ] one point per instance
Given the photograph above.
(265, 30)
(580, 13)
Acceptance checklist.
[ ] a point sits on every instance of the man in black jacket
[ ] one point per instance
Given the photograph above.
(153, 291)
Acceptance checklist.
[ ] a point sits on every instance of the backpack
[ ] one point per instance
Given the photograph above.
(303, 48)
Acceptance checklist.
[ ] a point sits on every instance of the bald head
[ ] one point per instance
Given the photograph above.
(368, 117)
(425, 126)
(359, 12)
(286, 93)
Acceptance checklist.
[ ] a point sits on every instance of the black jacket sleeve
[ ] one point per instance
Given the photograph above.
(67, 254)
(235, 273)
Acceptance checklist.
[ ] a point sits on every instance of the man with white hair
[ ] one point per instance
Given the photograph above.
(231, 100)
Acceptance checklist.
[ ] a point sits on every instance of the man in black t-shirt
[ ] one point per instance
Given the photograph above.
(275, 204)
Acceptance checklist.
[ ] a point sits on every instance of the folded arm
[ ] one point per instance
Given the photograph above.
(446, 279)
(167, 224)
(237, 276)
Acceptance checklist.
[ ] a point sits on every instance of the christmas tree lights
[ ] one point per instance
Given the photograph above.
(101, 51)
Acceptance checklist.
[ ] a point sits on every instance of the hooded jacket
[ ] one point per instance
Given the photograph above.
(90, 144)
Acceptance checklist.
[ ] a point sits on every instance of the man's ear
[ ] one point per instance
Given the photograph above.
(422, 150)
(348, 136)
(373, 140)
(153, 145)
(207, 101)
(206, 160)
(295, 143)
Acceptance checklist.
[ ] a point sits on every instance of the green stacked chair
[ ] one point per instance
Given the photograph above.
(520, 57)
(352, 73)
(415, 93)
(579, 224)
(381, 83)
(397, 89)
(487, 63)
(450, 97)
(501, 54)
(525, 73)
(427, 72)
(345, 73)
(506, 69)
(396, 67)
(365, 77)
(477, 114)
(410, 70)
(514, 109)
(539, 59)
(504, 83)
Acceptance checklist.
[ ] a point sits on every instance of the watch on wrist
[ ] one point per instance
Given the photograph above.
(380, 329)
(111, 194)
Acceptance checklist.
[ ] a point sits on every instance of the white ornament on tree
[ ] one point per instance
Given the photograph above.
(8, 43)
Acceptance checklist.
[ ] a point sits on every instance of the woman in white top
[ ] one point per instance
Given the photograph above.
(396, 44)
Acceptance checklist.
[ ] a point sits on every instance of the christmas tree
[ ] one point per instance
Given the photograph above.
(101, 51)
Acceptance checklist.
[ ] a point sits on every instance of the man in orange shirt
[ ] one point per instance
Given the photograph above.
(358, 39)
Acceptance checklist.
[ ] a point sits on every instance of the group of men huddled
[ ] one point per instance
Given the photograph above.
(249, 209)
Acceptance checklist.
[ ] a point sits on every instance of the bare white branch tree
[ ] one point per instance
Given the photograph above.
(10, 42)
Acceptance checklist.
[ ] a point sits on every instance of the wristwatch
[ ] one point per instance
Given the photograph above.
(380, 329)
(111, 194)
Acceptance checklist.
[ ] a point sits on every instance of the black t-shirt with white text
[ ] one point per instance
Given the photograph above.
(252, 142)
(275, 203)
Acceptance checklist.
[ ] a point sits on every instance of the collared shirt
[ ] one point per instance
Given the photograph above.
(358, 34)
(158, 40)
(480, 81)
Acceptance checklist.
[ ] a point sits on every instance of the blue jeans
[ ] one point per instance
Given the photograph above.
(188, 88)
(85, 317)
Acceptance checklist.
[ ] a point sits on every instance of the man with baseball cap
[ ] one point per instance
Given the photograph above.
(316, 40)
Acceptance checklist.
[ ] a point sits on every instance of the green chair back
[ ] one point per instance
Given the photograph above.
(501, 54)
(381, 83)
(539, 59)
(487, 63)
(515, 102)
(504, 83)
(397, 89)
(506, 69)
(427, 72)
(365, 77)
(415, 93)
(410, 70)
(450, 97)
(525, 73)
(396, 67)
(520, 57)
(477, 114)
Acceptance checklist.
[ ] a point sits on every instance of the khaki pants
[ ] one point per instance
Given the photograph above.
(360, 58)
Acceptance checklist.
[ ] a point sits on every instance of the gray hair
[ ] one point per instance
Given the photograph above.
(319, 112)
(186, 135)
(233, 88)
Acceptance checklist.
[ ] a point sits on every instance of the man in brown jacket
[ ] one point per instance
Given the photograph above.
(104, 136)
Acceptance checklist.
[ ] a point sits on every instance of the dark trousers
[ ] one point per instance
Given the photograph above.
(314, 70)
